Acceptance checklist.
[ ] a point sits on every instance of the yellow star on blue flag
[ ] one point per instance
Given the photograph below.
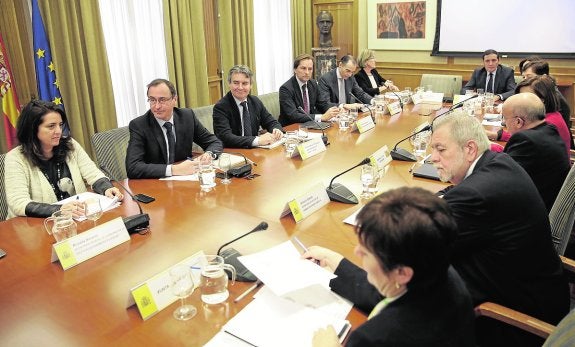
(48, 88)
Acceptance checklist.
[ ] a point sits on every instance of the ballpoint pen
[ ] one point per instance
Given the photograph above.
(303, 247)
(249, 290)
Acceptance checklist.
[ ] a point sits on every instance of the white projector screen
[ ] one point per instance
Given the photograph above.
(511, 27)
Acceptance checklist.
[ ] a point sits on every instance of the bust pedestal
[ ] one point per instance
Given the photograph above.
(325, 59)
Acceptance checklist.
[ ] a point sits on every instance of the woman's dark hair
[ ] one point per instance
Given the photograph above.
(544, 87)
(29, 121)
(409, 227)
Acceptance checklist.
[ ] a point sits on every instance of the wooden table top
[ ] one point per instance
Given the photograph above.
(40, 304)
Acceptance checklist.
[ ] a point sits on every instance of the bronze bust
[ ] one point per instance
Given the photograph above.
(324, 23)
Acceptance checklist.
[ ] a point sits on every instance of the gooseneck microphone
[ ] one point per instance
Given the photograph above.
(242, 170)
(338, 192)
(318, 125)
(365, 106)
(230, 256)
(136, 222)
(398, 98)
(404, 155)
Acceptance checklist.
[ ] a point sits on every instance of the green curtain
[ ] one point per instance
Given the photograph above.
(186, 51)
(79, 53)
(302, 23)
(237, 41)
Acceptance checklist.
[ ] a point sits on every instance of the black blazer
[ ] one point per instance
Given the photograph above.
(228, 125)
(504, 251)
(541, 152)
(504, 81)
(438, 316)
(365, 84)
(146, 156)
(329, 90)
(291, 98)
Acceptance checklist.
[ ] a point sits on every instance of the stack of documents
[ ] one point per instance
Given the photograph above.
(295, 303)
(105, 202)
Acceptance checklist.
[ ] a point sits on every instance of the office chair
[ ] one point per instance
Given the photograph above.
(110, 147)
(562, 214)
(205, 115)
(272, 103)
(449, 85)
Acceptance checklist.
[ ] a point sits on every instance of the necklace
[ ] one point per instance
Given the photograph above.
(57, 191)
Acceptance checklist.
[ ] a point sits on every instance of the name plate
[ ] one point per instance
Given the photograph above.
(89, 244)
(310, 148)
(155, 294)
(364, 124)
(394, 108)
(306, 204)
(381, 158)
(417, 98)
(457, 98)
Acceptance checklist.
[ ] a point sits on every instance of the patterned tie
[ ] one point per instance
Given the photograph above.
(342, 91)
(171, 142)
(247, 119)
(304, 95)
(490, 83)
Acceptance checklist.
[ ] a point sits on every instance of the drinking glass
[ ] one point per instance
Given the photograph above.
(291, 143)
(302, 132)
(207, 175)
(343, 121)
(420, 144)
(367, 176)
(182, 286)
(225, 164)
(93, 209)
(353, 114)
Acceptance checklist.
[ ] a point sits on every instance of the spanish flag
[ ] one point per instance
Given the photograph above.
(48, 87)
(10, 104)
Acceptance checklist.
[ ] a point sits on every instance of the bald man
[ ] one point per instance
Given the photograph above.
(535, 144)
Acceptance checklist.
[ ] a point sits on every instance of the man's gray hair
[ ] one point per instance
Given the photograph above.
(240, 69)
(464, 128)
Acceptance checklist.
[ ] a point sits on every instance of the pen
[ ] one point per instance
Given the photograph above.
(412, 167)
(303, 247)
(249, 290)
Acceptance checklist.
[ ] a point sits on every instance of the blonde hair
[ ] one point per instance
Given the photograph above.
(365, 56)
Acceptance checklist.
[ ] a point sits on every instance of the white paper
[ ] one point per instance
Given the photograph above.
(192, 177)
(105, 202)
(273, 321)
(351, 219)
(274, 144)
(283, 270)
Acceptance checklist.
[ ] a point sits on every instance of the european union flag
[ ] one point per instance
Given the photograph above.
(48, 88)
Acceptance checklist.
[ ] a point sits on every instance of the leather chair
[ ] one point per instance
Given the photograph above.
(449, 85)
(272, 103)
(110, 147)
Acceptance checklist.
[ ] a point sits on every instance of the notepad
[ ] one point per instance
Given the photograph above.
(426, 170)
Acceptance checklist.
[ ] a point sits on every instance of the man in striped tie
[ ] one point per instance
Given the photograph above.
(492, 77)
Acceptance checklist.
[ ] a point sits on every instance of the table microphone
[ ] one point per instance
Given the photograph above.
(404, 155)
(136, 222)
(338, 192)
(318, 125)
(230, 256)
(243, 170)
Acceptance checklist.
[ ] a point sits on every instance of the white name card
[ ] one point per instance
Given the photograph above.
(364, 124)
(310, 148)
(90, 243)
(381, 157)
(155, 294)
(457, 98)
(417, 98)
(306, 204)
(394, 108)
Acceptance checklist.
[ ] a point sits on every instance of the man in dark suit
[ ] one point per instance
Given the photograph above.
(337, 86)
(238, 115)
(299, 95)
(492, 77)
(535, 145)
(503, 250)
(164, 135)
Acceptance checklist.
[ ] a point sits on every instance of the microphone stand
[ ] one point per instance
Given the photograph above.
(243, 170)
(364, 105)
(404, 155)
(231, 255)
(317, 124)
(338, 192)
(136, 222)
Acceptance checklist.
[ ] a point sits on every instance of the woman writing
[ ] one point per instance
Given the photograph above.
(49, 166)
(368, 78)
(414, 296)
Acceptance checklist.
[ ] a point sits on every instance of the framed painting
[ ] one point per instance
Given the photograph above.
(401, 24)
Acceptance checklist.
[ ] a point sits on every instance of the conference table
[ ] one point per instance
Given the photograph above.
(86, 305)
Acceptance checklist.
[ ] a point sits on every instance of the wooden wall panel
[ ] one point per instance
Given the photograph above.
(212, 51)
(344, 30)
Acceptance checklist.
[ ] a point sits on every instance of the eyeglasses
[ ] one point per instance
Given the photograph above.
(160, 101)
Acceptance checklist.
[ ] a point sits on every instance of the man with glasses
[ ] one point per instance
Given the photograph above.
(165, 135)
(503, 250)
(535, 145)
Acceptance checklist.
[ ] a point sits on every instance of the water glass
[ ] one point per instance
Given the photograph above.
(302, 132)
(291, 142)
(344, 121)
(353, 114)
(225, 164)
(207, 175)
(93, 209)
(182, 286)
(420, 143)
(367, 177)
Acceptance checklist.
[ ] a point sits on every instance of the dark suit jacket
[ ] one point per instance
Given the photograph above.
(329, 90)
(504, 81)
(146, 155)
(365, 84)
(541, 152)
(438, 316)
(228, 124)
(503, 250)
(291, 98)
